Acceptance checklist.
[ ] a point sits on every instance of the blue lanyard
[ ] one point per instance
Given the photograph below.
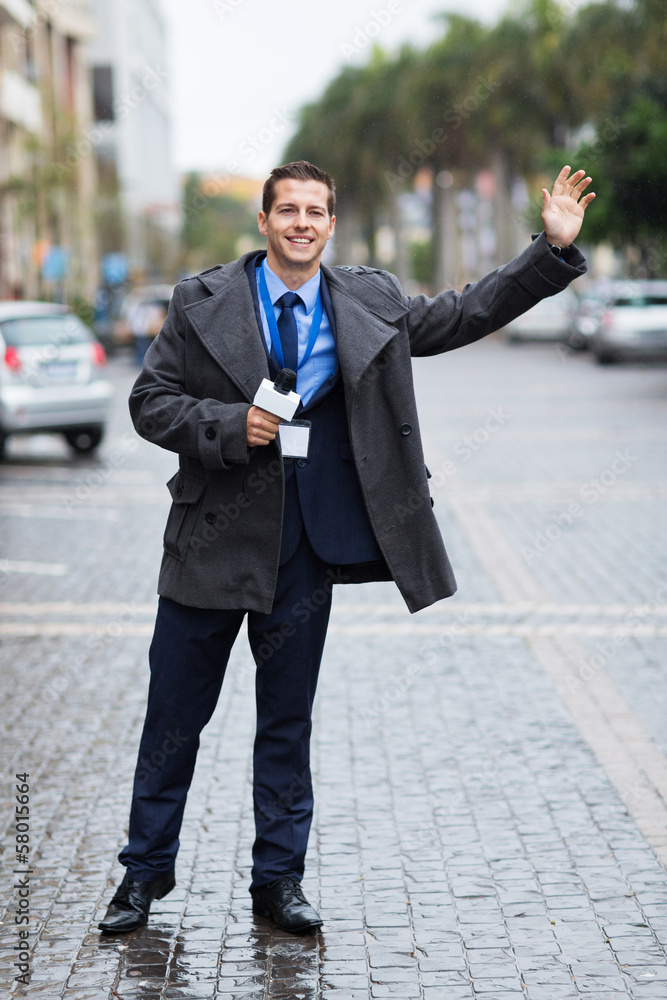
(273, 325)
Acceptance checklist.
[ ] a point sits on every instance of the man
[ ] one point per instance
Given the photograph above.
(265, 528)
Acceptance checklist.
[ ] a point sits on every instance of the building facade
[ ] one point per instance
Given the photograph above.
(48, 246)
(132, 135)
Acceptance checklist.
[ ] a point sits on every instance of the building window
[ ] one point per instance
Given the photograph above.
(103, 93)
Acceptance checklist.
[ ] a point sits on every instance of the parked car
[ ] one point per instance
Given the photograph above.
(550, 319)
(52, 375)
(585, 321)
(634, 323)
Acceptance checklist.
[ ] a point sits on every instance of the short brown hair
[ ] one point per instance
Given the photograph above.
(300, 170)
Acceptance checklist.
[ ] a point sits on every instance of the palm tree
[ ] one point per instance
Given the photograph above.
(436, 118)
(355, 132)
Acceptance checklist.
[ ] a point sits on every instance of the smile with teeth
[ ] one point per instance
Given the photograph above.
(301, 240)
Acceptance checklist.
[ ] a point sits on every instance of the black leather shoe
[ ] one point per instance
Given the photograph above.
(130, 906)
(284, 902)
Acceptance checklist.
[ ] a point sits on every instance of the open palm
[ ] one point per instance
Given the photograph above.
(563, 209)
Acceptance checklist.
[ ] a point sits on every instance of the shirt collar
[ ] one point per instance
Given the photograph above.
(308, 292)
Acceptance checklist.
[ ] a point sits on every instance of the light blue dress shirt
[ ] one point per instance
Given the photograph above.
(322, 362)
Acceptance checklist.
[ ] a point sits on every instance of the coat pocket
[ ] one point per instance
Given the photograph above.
(187, 494)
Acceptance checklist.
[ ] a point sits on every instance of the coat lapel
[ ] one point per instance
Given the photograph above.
(365, 315)
(227, 326)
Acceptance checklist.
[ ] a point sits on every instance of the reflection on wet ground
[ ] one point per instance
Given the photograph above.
(258, 960)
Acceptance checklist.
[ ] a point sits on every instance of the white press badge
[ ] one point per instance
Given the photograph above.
(295, 438)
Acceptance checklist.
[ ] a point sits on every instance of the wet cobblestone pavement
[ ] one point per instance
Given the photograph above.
(490, 774)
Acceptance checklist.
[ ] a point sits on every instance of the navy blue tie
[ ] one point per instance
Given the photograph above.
(289, 336)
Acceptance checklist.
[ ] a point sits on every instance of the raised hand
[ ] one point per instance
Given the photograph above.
(563, 209)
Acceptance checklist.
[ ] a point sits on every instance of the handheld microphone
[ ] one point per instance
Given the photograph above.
(279, 397)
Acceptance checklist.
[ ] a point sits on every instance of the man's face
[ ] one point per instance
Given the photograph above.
(297, 226)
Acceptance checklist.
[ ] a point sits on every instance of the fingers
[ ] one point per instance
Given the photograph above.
(562, 180)
(261, 426)
(578, 188)
(565, 180)
(574, 185)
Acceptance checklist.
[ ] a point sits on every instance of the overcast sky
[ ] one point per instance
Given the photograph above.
(241, 69)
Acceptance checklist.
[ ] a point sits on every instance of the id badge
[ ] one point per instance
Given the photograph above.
(294, 438)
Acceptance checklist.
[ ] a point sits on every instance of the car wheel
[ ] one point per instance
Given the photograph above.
(577, 341)
(83, 440)
(605, 358)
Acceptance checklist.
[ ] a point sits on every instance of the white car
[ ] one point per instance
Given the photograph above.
(634, 323)
(52, 375)
(549, 319)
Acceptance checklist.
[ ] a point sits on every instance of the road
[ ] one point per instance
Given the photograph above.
(490, 774)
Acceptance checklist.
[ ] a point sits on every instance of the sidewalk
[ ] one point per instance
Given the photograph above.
(490, 774)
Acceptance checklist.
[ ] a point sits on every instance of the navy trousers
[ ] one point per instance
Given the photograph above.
(188, 658)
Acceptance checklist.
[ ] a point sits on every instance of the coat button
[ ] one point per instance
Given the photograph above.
(179, 490)
(301, 462)
(210, 517)
(406, 429)
(210, 433)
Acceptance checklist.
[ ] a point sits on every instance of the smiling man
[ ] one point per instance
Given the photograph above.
(258, 530)
(297, 226)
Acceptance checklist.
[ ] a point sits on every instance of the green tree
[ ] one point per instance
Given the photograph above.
(353, 131)
(630, 173)
(447, 90)
(623, 85)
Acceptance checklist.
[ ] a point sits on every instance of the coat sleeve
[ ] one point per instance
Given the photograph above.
(164, 413)
(452, 319)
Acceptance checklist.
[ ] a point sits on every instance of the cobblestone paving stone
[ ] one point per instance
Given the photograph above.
(467, 842)
(640, 674)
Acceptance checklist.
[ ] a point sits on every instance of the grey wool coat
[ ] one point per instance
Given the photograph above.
(222, 540)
